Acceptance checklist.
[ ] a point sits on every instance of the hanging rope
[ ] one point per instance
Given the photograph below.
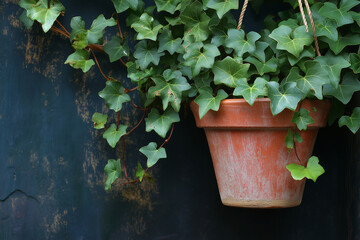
(242, 14)
(313, 27)
(303, 15)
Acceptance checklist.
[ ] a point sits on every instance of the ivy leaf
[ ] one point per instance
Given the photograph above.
(80, 60)
(228, 71)
(352, 122)
(169, 91)
(140, 172)
(115, 49)
(340, 15)
(145, 27)
(95, 33)
(250, 93)
(355, 62)
(259, 52)
(312, 81)
(161, 123)
(99, 120)
(289, 139)
(346, 5)
(166, 42)
(167, 5)
(152, 153)
(333, 66)
(279, 101)
(197, 57)
(113, 135)
(207, 101)
(146, 53)
(196, 21)
(342, 42)
(291, 41)
(222, 6)
(78, 36)
(114, 95)
(302, 119)
(262, 68)
(123, 5)
(236, 40)
(43, 12)
(327, 29)
(26, 20)
(113, 172)
(345, 89)
(312, 170)
(307, 53)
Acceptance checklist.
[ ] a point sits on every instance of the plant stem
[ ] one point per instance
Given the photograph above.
(137, 125)
(119, 28)
(97, 63)
(123, 159)
(131, 90)
(168, 139)
(66, 31)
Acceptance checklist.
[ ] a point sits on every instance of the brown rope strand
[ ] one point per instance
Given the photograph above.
(303, 15)
(241, 17)
(313, 28)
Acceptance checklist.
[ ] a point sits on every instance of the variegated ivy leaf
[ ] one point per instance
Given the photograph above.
(355, 62)
(198, 56)
(345, 89)
(196, 21)
(333, 65)
(228, 71)
(146, 53)
(169, 91)
(161, 123)
(114, 95)
(113, 172)
(342, 42)
(167, 43)
(123, 5)
(146, 27)
(327, 29)
(99, 120)
(289, 98)
(115, 49)
(222, 6)
(113, 134)
(302, 119)
(250, 93)
(43, 11)
(80, 60)
(152, 153)
(207, 101)
(290, 40)
(352, 122)
(340, 15)
(263, 67)
(313, 80)
(236, 40)
(312, 170)
(167, 5)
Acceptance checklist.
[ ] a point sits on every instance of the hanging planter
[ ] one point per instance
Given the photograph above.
(249, 153)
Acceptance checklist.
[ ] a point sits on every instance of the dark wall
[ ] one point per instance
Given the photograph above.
(52, 160)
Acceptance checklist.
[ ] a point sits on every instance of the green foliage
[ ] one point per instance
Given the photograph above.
(115, 49)
(302, 119)
(113, 134)
(352, 122)
(80, 60)
(99, 120)
(207, 101)
(161, 123)
(114, 95)
(140, 172)
(152, 153)
(146, 27)
(250, 93)
(312, 170)
(113, 172)
(228, 71)
(289, 98)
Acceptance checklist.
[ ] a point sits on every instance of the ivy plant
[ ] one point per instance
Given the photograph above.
(195, 50)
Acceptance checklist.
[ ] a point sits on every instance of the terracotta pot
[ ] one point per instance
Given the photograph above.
(249, 153)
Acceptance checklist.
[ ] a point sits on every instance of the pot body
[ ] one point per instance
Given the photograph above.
(247, 145)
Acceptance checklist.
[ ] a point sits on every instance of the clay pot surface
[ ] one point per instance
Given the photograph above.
(247, 145)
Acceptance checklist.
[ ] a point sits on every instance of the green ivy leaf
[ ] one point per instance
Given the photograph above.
(196, 21)
(207, 101)
(289, 139)
(302, 119)
(140, 172)
(113, 172)
(146, 28)
(312, 170)
(80, 60)
(114, 95)
(95, 33)
(346, 5)
(307, 53)
(167, 5)
(198, 57)
(113, 134)
(340, 15)
(166, 42)
(345, 89)
(123, 5)
(355, 62)
(236, 40)
(342, 42)
(333, 65)
(78, 36)
(327, 29)
(26, 20)
(115, 49)
(99, 120)
(228, 71)
(262, 68)
(291, 41)
(161, 123)
(152, 153)
(222, 6)
(250, 93)
(259, 52)
(279, 101)
(146, 53)
(43, 11)
(352, 122)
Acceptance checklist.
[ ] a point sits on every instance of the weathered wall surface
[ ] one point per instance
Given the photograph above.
(52, 160)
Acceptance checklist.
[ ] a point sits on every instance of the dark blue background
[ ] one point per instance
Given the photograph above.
(52, 160)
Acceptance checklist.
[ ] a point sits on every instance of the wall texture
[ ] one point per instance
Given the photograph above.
(52, 160)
